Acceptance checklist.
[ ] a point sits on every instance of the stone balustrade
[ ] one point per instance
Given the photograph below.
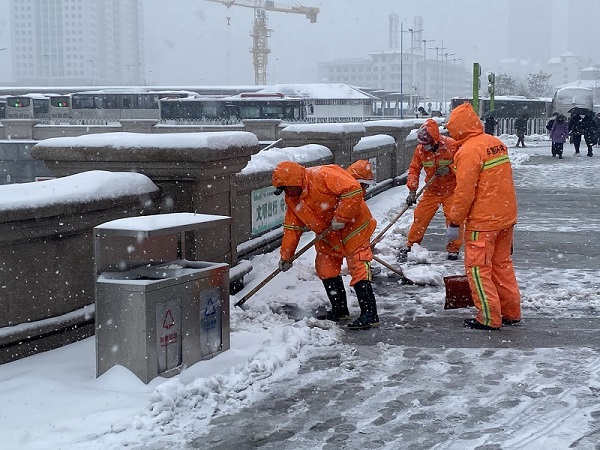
(221, 173)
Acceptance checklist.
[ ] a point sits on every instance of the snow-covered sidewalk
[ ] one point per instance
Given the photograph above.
(367, 390)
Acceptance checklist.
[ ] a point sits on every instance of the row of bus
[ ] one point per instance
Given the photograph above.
(111, 105)
(505, 107)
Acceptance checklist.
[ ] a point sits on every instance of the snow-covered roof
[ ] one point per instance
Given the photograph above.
(590, 84)
(320, 91)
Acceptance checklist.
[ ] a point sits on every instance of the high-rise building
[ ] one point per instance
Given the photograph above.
(77, 42)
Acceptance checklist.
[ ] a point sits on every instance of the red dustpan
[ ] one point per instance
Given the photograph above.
(458, 293)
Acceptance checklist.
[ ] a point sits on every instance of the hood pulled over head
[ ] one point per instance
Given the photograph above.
(362, 172)
(429, 133)
(288, 173)
(464, 123)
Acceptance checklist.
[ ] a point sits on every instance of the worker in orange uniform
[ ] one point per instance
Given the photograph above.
(434, 154)
(361, 171)
(328, 196)
(485, 198)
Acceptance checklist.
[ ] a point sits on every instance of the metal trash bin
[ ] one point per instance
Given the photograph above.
(156, 315)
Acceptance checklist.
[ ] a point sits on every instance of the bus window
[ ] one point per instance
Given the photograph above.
(18, 102)
(59, 102)
(40, 107)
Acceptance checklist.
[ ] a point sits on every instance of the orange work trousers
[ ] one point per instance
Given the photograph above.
(491, 275)
(424, 212)
(359, 264)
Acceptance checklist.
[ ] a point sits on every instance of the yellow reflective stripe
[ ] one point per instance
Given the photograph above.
(485, 305)
(335, 247)
(293, 227)
(445, 162)
(495, 162)
(352, 194)
(355, 232)
(368, 268)
(428, 163)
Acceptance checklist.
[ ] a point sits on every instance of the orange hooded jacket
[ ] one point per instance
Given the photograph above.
(361, 170)
(328, 192)
(430, 161)
(485, 192)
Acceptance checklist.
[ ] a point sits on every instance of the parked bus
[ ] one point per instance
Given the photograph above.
(30, 106)
(60, 107)
(232, 109)
(570, 97)
(117, 104)
(510, 106)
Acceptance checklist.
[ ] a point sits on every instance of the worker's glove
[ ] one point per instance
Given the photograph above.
(452, 232)
(284, 265)
(412, 198)
(335, 225)
(442, 171)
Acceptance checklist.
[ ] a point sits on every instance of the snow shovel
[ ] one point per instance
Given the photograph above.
(379, 237)
(396, 270)
(458, 293)
(300, 252)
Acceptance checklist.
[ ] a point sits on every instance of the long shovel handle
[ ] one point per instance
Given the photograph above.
(300, 252)
(379, 237)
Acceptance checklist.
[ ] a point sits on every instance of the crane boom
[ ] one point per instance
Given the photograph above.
(260, 33)
(269, 5)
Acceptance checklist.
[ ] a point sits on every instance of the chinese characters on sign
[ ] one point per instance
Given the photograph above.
(268, 210)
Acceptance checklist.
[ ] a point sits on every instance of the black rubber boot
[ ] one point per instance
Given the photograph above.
(368, 307)
(334, 287)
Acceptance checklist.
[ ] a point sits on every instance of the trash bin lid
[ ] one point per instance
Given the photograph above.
(160, 224)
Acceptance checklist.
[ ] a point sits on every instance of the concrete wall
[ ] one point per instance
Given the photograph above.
(209, 177)
(46, 255)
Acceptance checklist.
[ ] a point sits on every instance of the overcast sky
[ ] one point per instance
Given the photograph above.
(190, 41)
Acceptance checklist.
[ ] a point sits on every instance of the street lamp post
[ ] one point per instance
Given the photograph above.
(425, 41)
(412, 66)
(444, 64)
(437, 67)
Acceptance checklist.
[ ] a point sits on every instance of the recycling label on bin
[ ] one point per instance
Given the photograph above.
(168, 335)
(210, 321)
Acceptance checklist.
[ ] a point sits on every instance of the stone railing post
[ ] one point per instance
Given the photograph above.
(340, 138)
(19, 128)
(399, 130)
(264, 129)
(196, 171)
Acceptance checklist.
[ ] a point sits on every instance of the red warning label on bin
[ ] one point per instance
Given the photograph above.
(168, 321)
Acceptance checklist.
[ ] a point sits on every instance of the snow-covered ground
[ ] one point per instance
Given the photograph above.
(53, 400)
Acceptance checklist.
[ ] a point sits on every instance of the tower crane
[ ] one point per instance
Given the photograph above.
(260, 33)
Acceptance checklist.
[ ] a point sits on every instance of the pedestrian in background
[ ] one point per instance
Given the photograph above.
(521, 129)
(485, 198)
(490, 124)
(434, 154)
(582, 123)
(597, 122)
(558, 134)
(328, 196)
(549, 128)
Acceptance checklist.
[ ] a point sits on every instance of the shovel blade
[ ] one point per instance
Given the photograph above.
(458, 293)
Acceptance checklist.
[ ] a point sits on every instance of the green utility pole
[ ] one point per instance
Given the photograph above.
(492, 88)
(476, 86)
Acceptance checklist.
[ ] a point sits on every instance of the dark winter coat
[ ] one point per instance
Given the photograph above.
(583, 125)
(521, 124)
(560, 130)
(490, 125)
